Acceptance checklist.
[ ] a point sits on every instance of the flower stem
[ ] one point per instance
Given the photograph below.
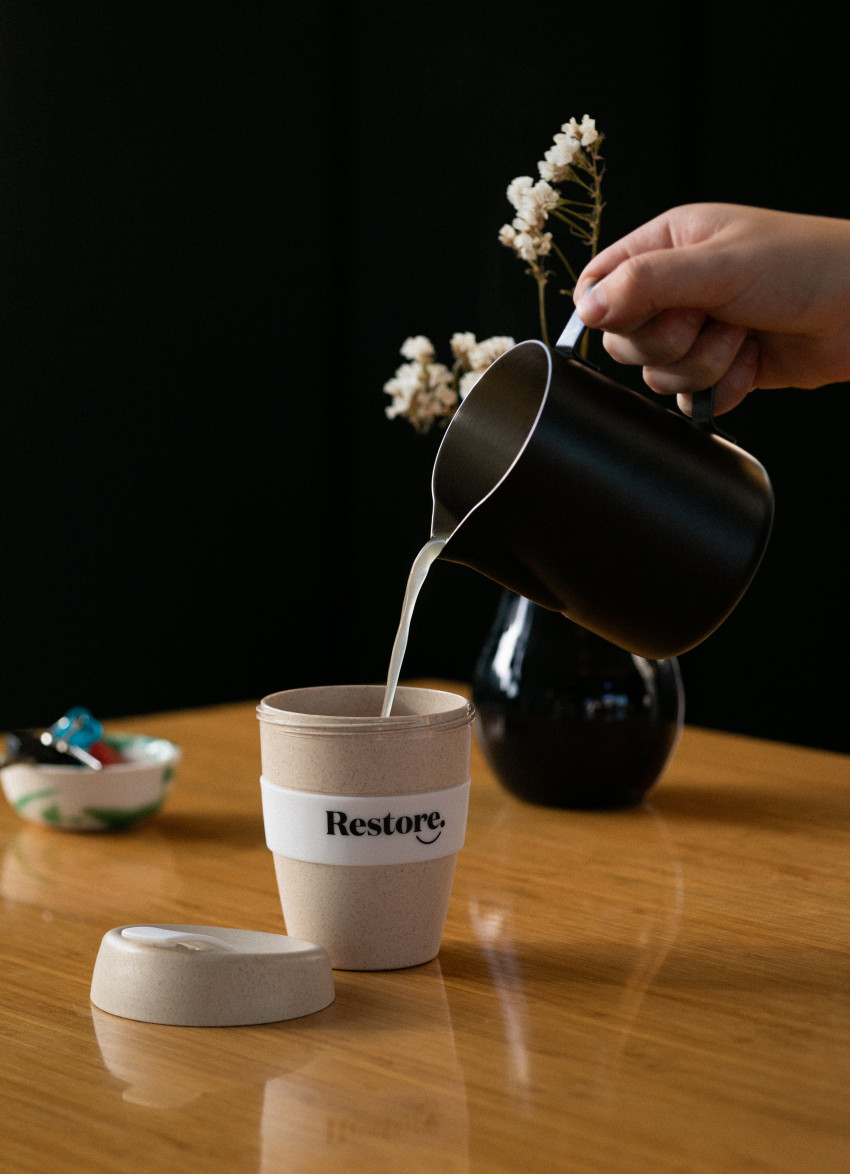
(541, 307)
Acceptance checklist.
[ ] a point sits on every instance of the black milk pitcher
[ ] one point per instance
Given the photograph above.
(641, 524)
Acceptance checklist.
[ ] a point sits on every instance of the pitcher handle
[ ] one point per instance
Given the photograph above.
(702, 411)
(702, 414)
(571, 336)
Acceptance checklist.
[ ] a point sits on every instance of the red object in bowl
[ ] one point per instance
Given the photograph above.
(105, 753)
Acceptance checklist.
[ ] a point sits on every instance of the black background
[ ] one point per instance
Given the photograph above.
(218, 223)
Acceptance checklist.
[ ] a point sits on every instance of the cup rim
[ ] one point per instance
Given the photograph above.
(302, 709)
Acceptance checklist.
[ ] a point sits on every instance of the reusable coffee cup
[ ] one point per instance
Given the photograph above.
(640, 524)
(365, 816)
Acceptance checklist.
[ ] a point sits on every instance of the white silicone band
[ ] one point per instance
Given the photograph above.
(370, 829)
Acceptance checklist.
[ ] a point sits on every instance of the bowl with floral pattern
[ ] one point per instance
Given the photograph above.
(78, 798)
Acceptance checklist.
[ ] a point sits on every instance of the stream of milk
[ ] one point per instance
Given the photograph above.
(421, 564)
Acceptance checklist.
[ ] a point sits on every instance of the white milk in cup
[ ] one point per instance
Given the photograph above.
(365, 814)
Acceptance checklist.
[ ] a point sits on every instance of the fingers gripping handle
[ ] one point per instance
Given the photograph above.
(702, 412)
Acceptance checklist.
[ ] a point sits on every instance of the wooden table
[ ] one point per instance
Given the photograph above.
(665, 989)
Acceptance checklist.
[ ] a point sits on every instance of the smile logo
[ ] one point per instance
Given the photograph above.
(434, 839)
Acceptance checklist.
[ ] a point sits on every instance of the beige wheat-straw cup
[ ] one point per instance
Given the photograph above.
(365, 816)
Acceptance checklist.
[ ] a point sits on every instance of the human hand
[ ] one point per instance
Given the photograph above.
(725, 295)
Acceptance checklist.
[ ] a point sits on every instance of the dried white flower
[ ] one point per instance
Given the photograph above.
(440, 395)
(532, 214)
(525, 244)
(403, 387)
(556, 163)
(533, 202)
(567, 146)
(585, 131)
(479, 358)
(467, 382)
(422, 392)
(488, 350)
(518, 188)
(462, 345)
(418, 349)
(545, 196)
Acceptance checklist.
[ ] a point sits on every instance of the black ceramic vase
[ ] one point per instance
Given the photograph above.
(567, 719)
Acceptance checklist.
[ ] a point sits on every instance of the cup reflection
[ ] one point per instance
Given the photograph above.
(394, 1100)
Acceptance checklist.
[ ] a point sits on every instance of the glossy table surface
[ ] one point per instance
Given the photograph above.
(662, 989)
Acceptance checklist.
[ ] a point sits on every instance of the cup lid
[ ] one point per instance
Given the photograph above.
(209, 976)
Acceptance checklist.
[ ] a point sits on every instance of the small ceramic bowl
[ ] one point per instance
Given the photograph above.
(77, 799)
